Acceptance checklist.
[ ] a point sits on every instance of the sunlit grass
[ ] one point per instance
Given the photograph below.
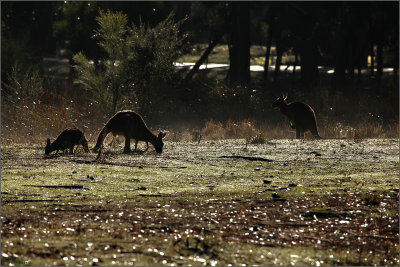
(190, 206)
(318, 202)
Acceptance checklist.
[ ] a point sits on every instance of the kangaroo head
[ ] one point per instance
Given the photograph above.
(158, 144)
(85, 145)
(47, 149)
(280, 101)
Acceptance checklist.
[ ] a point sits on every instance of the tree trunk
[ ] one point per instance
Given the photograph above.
(341, 51)
(359, 74)
(379, 61)
(396, 58)
(351, 58)
(203, 57)
(267, 55)
(372, 60)
(294, 68)
(309, 63)
(279, 52)
(340, 69)
(239, 71)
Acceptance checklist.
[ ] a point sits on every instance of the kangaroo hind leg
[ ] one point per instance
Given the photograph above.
(127, 147)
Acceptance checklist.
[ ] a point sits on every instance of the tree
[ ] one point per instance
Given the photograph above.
(138, 61)
(276, 19)
(26, 34)
(293, 25)
(151, 66)
(110, 81)
(239, 45)
(306, 31)
(210, 19)
(74, 28)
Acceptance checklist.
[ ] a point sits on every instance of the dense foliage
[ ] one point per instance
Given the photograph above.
(139, 60)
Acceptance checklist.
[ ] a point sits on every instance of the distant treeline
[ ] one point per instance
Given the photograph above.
(345, 35)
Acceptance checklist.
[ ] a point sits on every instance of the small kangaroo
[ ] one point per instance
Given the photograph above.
(67, 140)
(301, 116)
(132, 126)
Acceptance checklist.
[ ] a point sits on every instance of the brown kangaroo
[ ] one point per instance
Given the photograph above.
(67, 140)
(132, 126)
(301, 116)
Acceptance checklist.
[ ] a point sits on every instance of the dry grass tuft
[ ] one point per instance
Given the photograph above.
(360, 130)
(233, 130)
(31, 122)
(258, 140)
(258, 135)
(213, 130)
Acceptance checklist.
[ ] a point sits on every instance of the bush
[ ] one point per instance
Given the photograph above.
(213, 130)
(258, 140)
(244, 129)
(139, 61)
(22, 84)
(108, 80)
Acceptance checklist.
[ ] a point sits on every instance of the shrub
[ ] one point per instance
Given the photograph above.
(231, 129)
(22, 84)
(258, 140)
(213, 130)
(109, 82)
(139, 60)
(153, 53)
(196, 136)
(243, 129)
(247, 130)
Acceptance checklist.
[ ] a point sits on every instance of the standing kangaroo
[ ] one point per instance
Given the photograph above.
(132, 126)
(301, 116)
(67, 140)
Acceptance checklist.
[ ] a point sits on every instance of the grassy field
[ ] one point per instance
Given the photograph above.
(213, 202)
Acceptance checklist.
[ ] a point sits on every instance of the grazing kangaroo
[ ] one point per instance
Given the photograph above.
(67, 140)
(301, 116)
(132, 126)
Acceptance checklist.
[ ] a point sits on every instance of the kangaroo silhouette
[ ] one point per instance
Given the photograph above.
(131, 125)
(301, 116)
(67, 140)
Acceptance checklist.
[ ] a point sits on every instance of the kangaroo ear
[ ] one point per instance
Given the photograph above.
(48, 141)
(160, 135)
(164, 134)
(284, 96)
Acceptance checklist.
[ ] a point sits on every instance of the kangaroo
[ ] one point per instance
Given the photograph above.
(132, 126)
(67, 140)
(301, 116)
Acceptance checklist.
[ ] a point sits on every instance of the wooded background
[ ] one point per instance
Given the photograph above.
(358, 40)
